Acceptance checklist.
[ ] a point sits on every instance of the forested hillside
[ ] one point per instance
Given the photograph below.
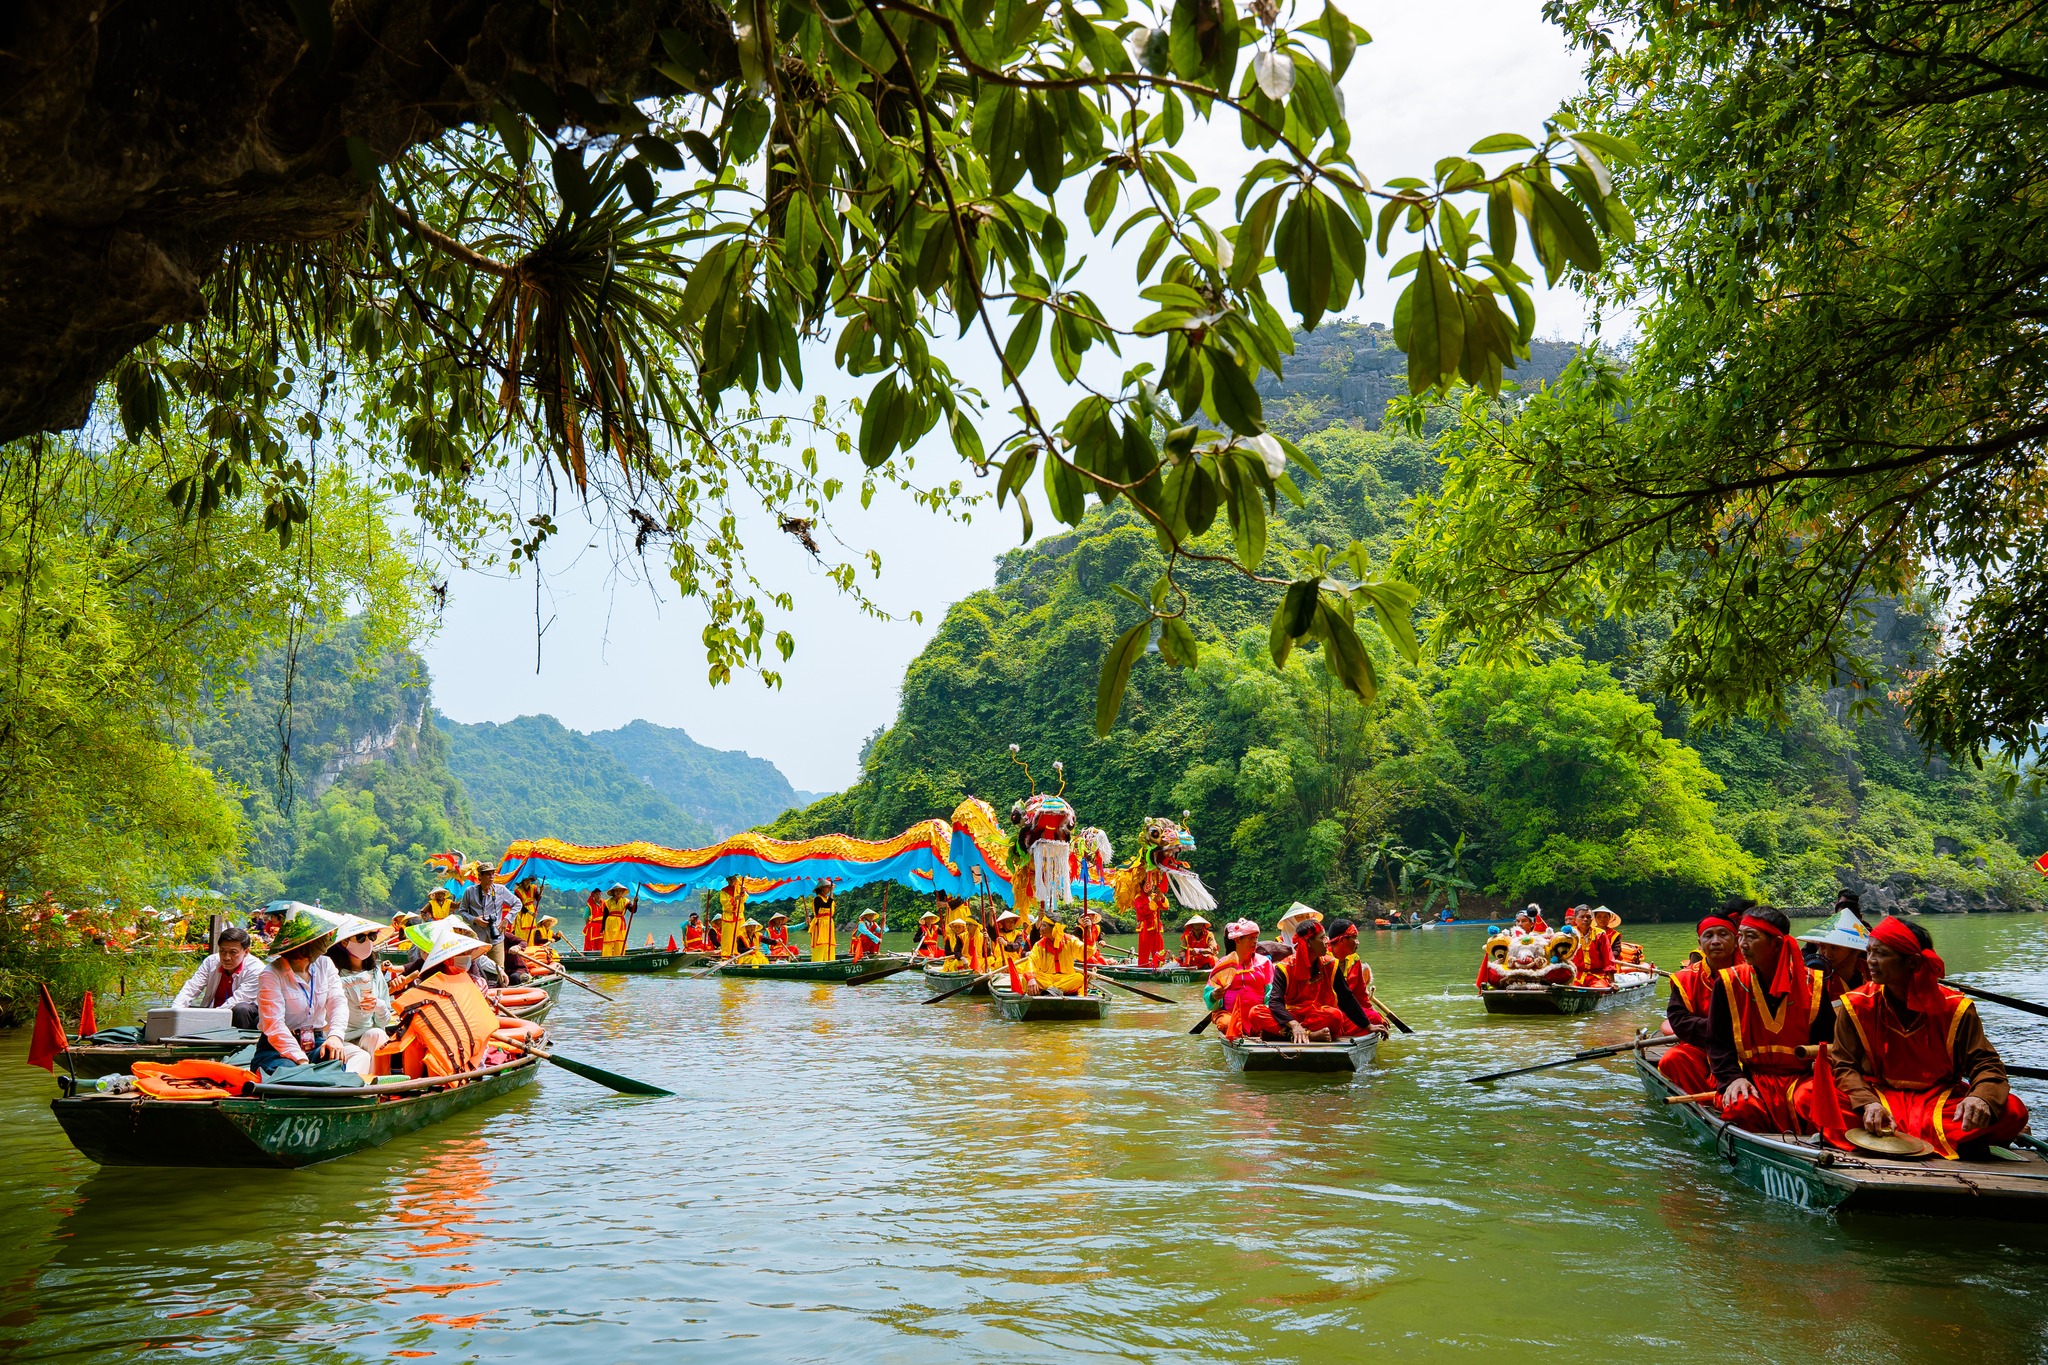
(534, 778)
(1561, 780)
(725, 789)
(367, 794)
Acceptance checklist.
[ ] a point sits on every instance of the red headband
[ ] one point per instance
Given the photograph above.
(1711, 921)
(1788, 959)
(1923, 992)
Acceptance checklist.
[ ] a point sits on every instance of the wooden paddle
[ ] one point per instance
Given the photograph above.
(957, 989)
(1700, 1098)
(1588, 1055)
(1155, 999)
(1995, 998)
(563, 974)
(625, 1085)
(1203, 1023)
(1392, 1017)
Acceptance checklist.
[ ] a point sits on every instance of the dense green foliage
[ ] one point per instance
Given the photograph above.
(1563, 778)
(532, 778)
(1839, 394)
(724, 789)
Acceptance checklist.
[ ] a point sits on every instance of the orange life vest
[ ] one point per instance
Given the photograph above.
(1920, 1059)
(447, 1022)
(1767, 1041)
(192, 1079)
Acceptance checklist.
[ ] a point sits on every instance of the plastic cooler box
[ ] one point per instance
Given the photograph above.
(177, 1023)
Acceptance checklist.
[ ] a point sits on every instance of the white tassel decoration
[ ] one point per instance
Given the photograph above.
(1189, 891)
(1049, 870)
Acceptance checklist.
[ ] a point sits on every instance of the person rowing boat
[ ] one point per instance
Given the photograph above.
(1353, 981)
(1909, 1056)
(929, 947)
(1197, 945)
(777, 938)
(1687, 1015)
(867, 936)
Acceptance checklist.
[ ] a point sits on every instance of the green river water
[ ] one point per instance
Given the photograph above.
(845, 1174)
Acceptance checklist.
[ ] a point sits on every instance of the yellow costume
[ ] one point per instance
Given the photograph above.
(616, 906)
(750, 954)
(1055, 962)
(438, 904)
(824, 929)
(732, 914)
(964, 948)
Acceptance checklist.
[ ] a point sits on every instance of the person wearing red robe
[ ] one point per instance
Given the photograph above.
(1767, 1010)
(1909, 1055)
(1593, 959)
(928, 945)
(1301, 1003)
(776, 939)
(1353, 982)
(1197, 948)
(1685, 1063)
(593, 927)
(1091, 939)
(1150, 908)
(694, 940)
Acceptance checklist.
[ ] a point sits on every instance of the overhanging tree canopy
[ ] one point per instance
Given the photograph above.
(588, 243)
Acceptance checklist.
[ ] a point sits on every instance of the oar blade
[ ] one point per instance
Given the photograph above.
(957, 989)
(865, 977)
(625, 1085)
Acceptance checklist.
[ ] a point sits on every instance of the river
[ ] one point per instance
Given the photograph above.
(846, 1174)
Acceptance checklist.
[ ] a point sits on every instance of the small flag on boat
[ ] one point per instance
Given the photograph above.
(87, 1024)
(48, 1042)
(671, 942)
(2041, 864)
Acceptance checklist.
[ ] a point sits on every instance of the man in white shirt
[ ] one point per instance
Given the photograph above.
(488, 906)
(226, 980)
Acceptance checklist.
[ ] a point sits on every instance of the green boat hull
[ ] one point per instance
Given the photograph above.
(1153, 976)
(1045, 1009)
(1562, 999)
(637, 960)
(281, 1132)
(940, 982)
(801, 970)
(1349, 1057)
(1807, 1175)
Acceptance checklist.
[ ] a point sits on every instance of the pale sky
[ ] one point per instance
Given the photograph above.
(1436, 79)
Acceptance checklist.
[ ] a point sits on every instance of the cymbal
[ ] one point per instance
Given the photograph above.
(1903, 1146)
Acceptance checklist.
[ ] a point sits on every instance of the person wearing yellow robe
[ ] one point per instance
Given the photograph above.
(732, 914)
(439, 904)
(1012, 941)
(750, 954)
(618, 911)
(965, 950)
(824, 924)
(1054, 964)
(528, 916)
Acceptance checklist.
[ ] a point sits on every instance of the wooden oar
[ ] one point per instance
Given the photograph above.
(866, 977)
(1588, 1055)
(1202, 1023)
(2032, 1073)
(1155, 999)
(1700, 1098)
(1995, 998)
(957, 989)
(1392, 1017)
(625, 1085)
(565, 976)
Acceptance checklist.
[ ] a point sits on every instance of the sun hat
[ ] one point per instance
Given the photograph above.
(304, 925)
(1843, 931)
(447, 939)
(1193, 920)
(929, 914)
(1237, 929)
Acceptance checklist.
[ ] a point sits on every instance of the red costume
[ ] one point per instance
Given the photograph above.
(1685, 1063)
(1764, 1033)
(1150, 907)
(928, 945)
(1593, 960)
(1091, 941)
(776, 940)
(694, 940)
(1236, 989)
(593, 927)
(1197, 949)
(1920, 1069)
(1306, 992)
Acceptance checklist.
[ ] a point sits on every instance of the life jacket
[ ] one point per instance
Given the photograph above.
(192, 1079)
(1769, 1041)
(1922, 1058)
(445, 1022)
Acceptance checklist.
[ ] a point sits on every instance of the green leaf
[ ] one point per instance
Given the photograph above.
(1574, 229)
(1392, 604)
(1500, 222)
(1177, 644)
(1301, 248)
(1235, 396)
(1291, 620)
(882, 423)
(1016, 470)
(1023, 342)
(1436, 328)
(1342, 36)
(1346, 654)
(1066, 491)
(1116, 674)
(1247, 520)
(1502, 142)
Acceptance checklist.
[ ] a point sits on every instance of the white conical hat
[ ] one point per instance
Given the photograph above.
(1844, 931)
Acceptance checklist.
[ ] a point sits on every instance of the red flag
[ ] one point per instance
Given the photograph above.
(2041, 864)
(1829, 1113)
(48, 1040)
(671, 942)
(87, 1025)
(1016, 982)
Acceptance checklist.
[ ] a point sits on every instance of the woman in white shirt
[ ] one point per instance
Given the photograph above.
(300, 1008)
(363, 985)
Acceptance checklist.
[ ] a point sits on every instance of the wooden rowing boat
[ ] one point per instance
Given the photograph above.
(89, 1060)
(1809, 1174)
(1034, 1009)
(632, 960)
(1349, 1055)
(802, 969)
(282, 1126)
(1172, 974)
(1539, 999)
(940, 982)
